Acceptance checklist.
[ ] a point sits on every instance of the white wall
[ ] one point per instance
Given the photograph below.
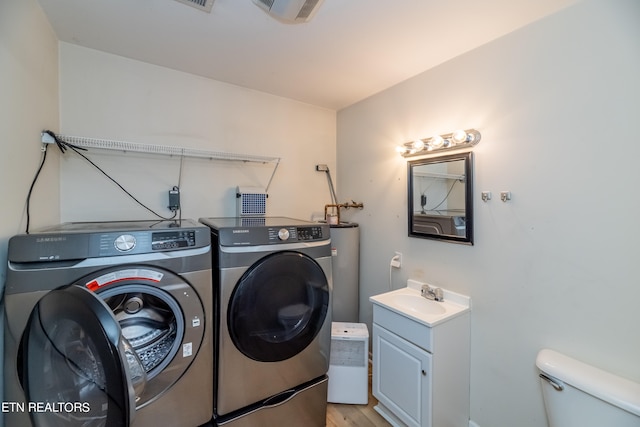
(111, 97)
(557, 105)
(29, 103)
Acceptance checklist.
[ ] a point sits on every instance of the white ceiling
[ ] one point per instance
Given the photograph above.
(350, 50)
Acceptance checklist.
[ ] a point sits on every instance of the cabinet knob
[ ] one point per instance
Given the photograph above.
(424, 373)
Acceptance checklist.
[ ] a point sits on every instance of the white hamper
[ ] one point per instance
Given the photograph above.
(349, 367)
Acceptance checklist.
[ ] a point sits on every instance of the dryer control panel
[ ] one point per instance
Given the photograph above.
(255, 236)
(241, 232)
(295, 234)
(310, 233)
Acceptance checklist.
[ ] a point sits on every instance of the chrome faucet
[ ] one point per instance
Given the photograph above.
(432, 293)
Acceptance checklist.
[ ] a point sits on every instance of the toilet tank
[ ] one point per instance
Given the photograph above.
(579, 395)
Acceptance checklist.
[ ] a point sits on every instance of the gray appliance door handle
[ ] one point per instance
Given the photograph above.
(279, 247)
(280, 398)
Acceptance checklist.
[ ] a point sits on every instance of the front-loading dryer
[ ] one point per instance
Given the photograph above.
(109, 324)
(272, 285)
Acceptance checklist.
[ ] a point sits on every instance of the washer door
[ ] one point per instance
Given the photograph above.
(160, 314)
(278, 306)
(77, 368)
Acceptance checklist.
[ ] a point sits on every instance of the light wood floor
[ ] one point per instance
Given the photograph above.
(339, 415)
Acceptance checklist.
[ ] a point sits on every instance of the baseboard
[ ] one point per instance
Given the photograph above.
(388, 415)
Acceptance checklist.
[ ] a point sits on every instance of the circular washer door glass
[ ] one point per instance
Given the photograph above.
(278, 306)
(150, 320)
(73, 372)
(160, 315)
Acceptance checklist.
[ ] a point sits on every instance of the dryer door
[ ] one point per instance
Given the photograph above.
(78, 370)
(278, 306)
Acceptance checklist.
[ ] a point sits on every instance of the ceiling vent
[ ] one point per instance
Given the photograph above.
(290, 11)
(204, 5)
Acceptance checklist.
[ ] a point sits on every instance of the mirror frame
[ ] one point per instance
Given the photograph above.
(468, 194)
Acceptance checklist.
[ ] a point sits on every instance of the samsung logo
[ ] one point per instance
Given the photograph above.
(50, 239)
(240, 231)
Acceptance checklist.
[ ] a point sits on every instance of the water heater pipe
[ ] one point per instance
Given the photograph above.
(342, 206)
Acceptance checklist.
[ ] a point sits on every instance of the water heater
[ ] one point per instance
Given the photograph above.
(290, 11)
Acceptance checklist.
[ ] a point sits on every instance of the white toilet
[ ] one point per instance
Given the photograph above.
(579, 395)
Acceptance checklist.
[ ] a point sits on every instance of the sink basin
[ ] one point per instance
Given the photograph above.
(409, 303)
(417, 304)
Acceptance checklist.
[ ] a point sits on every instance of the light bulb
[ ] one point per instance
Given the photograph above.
(418, 145)
(401, 149)
(459, 137)
(436, 142)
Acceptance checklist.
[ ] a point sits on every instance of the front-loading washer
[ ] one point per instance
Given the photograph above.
(272, 286)
(109, 324)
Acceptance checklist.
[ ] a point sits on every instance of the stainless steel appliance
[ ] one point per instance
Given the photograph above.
(109, 324)
(345, 251)
(272, 281)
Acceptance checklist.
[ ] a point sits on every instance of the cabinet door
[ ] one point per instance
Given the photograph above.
(402, 377)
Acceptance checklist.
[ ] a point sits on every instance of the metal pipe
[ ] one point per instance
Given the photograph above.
(342, 206)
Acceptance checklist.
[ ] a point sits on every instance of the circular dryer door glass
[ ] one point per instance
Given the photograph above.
(72, 368)
(278, 306)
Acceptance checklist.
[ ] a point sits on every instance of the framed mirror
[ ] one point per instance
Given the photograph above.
(440, 198)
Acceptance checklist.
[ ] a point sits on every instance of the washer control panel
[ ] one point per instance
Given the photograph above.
(144, 241)
(172, 239)
(141, 242)
(125, 242)
(77, 241)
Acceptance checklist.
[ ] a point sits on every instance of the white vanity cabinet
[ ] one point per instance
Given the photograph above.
(421, 370)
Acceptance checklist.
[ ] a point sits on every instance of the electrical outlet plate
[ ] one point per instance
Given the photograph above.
(47, 139)
(397, 260)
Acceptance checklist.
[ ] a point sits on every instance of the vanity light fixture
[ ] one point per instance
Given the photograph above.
(455, 140)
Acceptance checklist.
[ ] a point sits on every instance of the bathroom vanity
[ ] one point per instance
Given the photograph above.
(421, 351)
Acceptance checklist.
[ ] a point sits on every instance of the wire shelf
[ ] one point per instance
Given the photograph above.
(166, 150)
